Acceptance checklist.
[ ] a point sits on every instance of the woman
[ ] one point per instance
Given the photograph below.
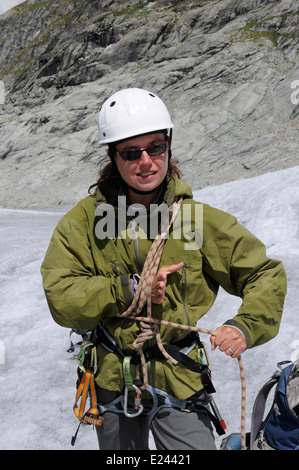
(105, 267)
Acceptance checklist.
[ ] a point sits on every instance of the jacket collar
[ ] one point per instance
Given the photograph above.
(107, 192)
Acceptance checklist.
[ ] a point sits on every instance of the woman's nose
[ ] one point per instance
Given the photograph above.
(145, 158)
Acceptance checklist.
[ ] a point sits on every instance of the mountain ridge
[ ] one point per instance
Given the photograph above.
(225, 69)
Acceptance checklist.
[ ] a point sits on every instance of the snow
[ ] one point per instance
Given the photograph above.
(38, 375)
(8, 4)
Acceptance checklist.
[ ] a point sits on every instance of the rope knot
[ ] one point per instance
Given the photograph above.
(147, 333)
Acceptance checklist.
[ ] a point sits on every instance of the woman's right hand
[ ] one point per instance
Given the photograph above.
(160, 281)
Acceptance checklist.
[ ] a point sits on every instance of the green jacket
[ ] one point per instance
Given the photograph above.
(86, 280)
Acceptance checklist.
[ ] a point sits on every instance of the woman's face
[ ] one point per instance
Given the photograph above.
(146, 173)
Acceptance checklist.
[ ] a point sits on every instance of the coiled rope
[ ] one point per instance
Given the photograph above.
(150, 326)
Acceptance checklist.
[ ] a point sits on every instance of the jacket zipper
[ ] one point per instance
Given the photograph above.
(115, 269)
(184, 295)
(136, 245)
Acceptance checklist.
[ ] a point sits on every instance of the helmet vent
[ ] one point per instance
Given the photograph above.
(153, 96)
(112, 104)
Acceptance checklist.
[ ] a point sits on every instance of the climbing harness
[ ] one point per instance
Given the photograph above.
(180, 350)
(241, 367)
(149, 329)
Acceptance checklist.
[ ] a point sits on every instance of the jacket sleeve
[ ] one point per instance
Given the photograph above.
(237, 261)
(77, 296)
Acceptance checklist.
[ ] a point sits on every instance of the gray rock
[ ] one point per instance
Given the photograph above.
(226, 70)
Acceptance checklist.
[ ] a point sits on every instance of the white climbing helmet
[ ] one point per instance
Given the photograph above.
(131, 112)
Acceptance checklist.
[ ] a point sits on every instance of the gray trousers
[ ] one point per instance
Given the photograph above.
(172, 429)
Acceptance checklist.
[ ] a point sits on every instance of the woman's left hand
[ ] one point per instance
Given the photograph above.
(229, 340)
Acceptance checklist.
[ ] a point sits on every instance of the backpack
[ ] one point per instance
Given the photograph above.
(280, 429)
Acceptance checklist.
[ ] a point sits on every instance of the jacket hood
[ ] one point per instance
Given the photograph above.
(176, 189)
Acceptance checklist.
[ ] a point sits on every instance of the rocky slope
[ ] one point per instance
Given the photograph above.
(224, 68)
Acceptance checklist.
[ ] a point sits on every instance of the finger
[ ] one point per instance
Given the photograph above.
(229, 352)
(158, 297)
(161, 276)
(158, 292)
(234, 352)
(224, 345)
(212, 341)
(172, 268)
(160, 288)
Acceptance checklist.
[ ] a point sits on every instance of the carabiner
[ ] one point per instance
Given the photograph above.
(137, 403)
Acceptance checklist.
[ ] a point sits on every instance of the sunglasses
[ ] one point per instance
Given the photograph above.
(135, 154)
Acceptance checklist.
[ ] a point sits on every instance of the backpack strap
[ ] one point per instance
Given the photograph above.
(259, 407)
